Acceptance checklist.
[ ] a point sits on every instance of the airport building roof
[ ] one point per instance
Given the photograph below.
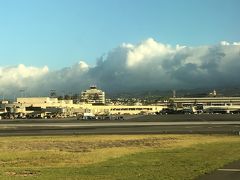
(205, 99)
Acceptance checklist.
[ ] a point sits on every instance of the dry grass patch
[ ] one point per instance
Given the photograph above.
(24, 173)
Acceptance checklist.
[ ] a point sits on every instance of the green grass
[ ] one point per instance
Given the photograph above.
(184, 163)
(115, 157)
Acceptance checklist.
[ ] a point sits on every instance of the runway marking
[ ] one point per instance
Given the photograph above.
(108, 124)
(230, 170)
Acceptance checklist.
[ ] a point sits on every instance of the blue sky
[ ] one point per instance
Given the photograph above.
(59, 33)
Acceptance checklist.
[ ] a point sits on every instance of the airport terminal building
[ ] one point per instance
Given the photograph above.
(93, 102)
(209, 104)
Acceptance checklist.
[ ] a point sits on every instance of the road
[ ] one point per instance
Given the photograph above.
(136, 125)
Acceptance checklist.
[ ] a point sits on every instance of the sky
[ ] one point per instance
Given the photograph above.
(43, 37)
(58, 33)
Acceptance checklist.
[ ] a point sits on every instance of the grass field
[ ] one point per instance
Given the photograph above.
(115, 156)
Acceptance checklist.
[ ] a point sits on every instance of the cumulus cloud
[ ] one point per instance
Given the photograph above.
(19, 77)
(149, 65)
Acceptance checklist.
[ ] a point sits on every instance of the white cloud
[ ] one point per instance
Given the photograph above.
(147, 50)
(83, 65)
(19, 75)
(224, 43)
(150, 50)
(149, 65)
(236, 43)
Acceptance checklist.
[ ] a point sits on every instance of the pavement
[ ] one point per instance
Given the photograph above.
(123, 123)
(141, 118)
(228, 172)
(118, 127)
(144, 124)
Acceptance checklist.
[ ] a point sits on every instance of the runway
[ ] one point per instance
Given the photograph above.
(130, 126)
(116, 124)
(229, 171)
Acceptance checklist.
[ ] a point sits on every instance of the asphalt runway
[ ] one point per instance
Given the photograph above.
(163, 124)
(139, 118)
(228, 172)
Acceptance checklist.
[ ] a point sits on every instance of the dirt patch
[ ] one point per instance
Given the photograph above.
(83, 146)
(25, 173)
(147, 142)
